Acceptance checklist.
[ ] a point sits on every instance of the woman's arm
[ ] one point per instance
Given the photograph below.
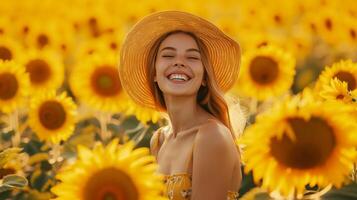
(213, 162)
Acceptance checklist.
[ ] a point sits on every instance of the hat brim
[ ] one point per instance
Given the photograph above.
(224, 52)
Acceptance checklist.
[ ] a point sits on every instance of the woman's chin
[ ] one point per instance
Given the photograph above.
(177, 92)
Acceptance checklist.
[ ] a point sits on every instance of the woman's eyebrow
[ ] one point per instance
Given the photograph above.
(174, 49)
(193, 49)
(168, 48)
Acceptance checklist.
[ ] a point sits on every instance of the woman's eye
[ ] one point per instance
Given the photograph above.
(194, 58)
(167, 56)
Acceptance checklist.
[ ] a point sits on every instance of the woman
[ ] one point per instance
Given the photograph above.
(181, 64)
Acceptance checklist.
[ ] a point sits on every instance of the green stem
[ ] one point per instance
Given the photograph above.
(354, 172)
(139, 136)
(103, 121)
(14, 123)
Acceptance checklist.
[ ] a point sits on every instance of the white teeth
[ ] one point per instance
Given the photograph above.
(181, 77)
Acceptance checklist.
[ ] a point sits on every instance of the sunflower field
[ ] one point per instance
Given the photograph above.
(68, 130)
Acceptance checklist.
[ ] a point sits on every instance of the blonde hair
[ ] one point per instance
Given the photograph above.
(209, 97)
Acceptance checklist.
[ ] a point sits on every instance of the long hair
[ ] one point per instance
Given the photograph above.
(209, 97)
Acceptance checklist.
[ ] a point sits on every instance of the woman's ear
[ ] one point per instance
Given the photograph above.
(155, 79)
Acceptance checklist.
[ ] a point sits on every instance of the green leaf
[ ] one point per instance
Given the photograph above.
(347, 192)
(12, 181)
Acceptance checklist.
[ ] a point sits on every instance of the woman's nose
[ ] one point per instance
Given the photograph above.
(179, 64)
(179, 61)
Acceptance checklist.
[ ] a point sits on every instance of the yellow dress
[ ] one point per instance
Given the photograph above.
(179, 186)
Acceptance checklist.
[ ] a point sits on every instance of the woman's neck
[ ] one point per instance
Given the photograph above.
(184, 113)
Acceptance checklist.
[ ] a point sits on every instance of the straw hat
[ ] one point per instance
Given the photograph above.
(224, 52)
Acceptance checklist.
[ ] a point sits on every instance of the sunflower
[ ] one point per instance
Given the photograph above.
(345, 70)
(254, 40)
(65, 44)
(266, 72)
(111, 172)
(9, 48)
(14, 84)
(251, 10)
(45, 68)
(309, 23)
(328, 24)
(42, 36)
(52, 117)
(336, 90)
(301, 141)
(350, 31)
(278, 15)
(106, 43)
(144, 115)
(95, 81)
(22, 29)
(94, 23)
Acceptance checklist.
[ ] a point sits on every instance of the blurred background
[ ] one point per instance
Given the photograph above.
(59, 88)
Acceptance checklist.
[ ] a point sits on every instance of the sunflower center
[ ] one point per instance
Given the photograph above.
(314, 144)
(328, 24)
(313, 27)
(264, 70)
(262, 44)
(42, 40)
(94, 28)
(110, 184)
(92, 21)
(105, 81)
(340, 96)
(109, 196)
(348, 78)
(353, 33)
(52, 115)
(39, 71)
(25, 30)
(5, 53)
(277, 19)
(113, 46)
(6, 171)
(8, 86)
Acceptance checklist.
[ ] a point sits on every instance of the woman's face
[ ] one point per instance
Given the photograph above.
(179, 69)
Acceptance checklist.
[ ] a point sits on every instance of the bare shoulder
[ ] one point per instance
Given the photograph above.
(214, 134)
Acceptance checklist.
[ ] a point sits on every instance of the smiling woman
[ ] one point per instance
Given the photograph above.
(180, 64)
(186, 74)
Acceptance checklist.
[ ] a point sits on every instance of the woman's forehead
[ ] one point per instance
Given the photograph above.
(179, 41)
